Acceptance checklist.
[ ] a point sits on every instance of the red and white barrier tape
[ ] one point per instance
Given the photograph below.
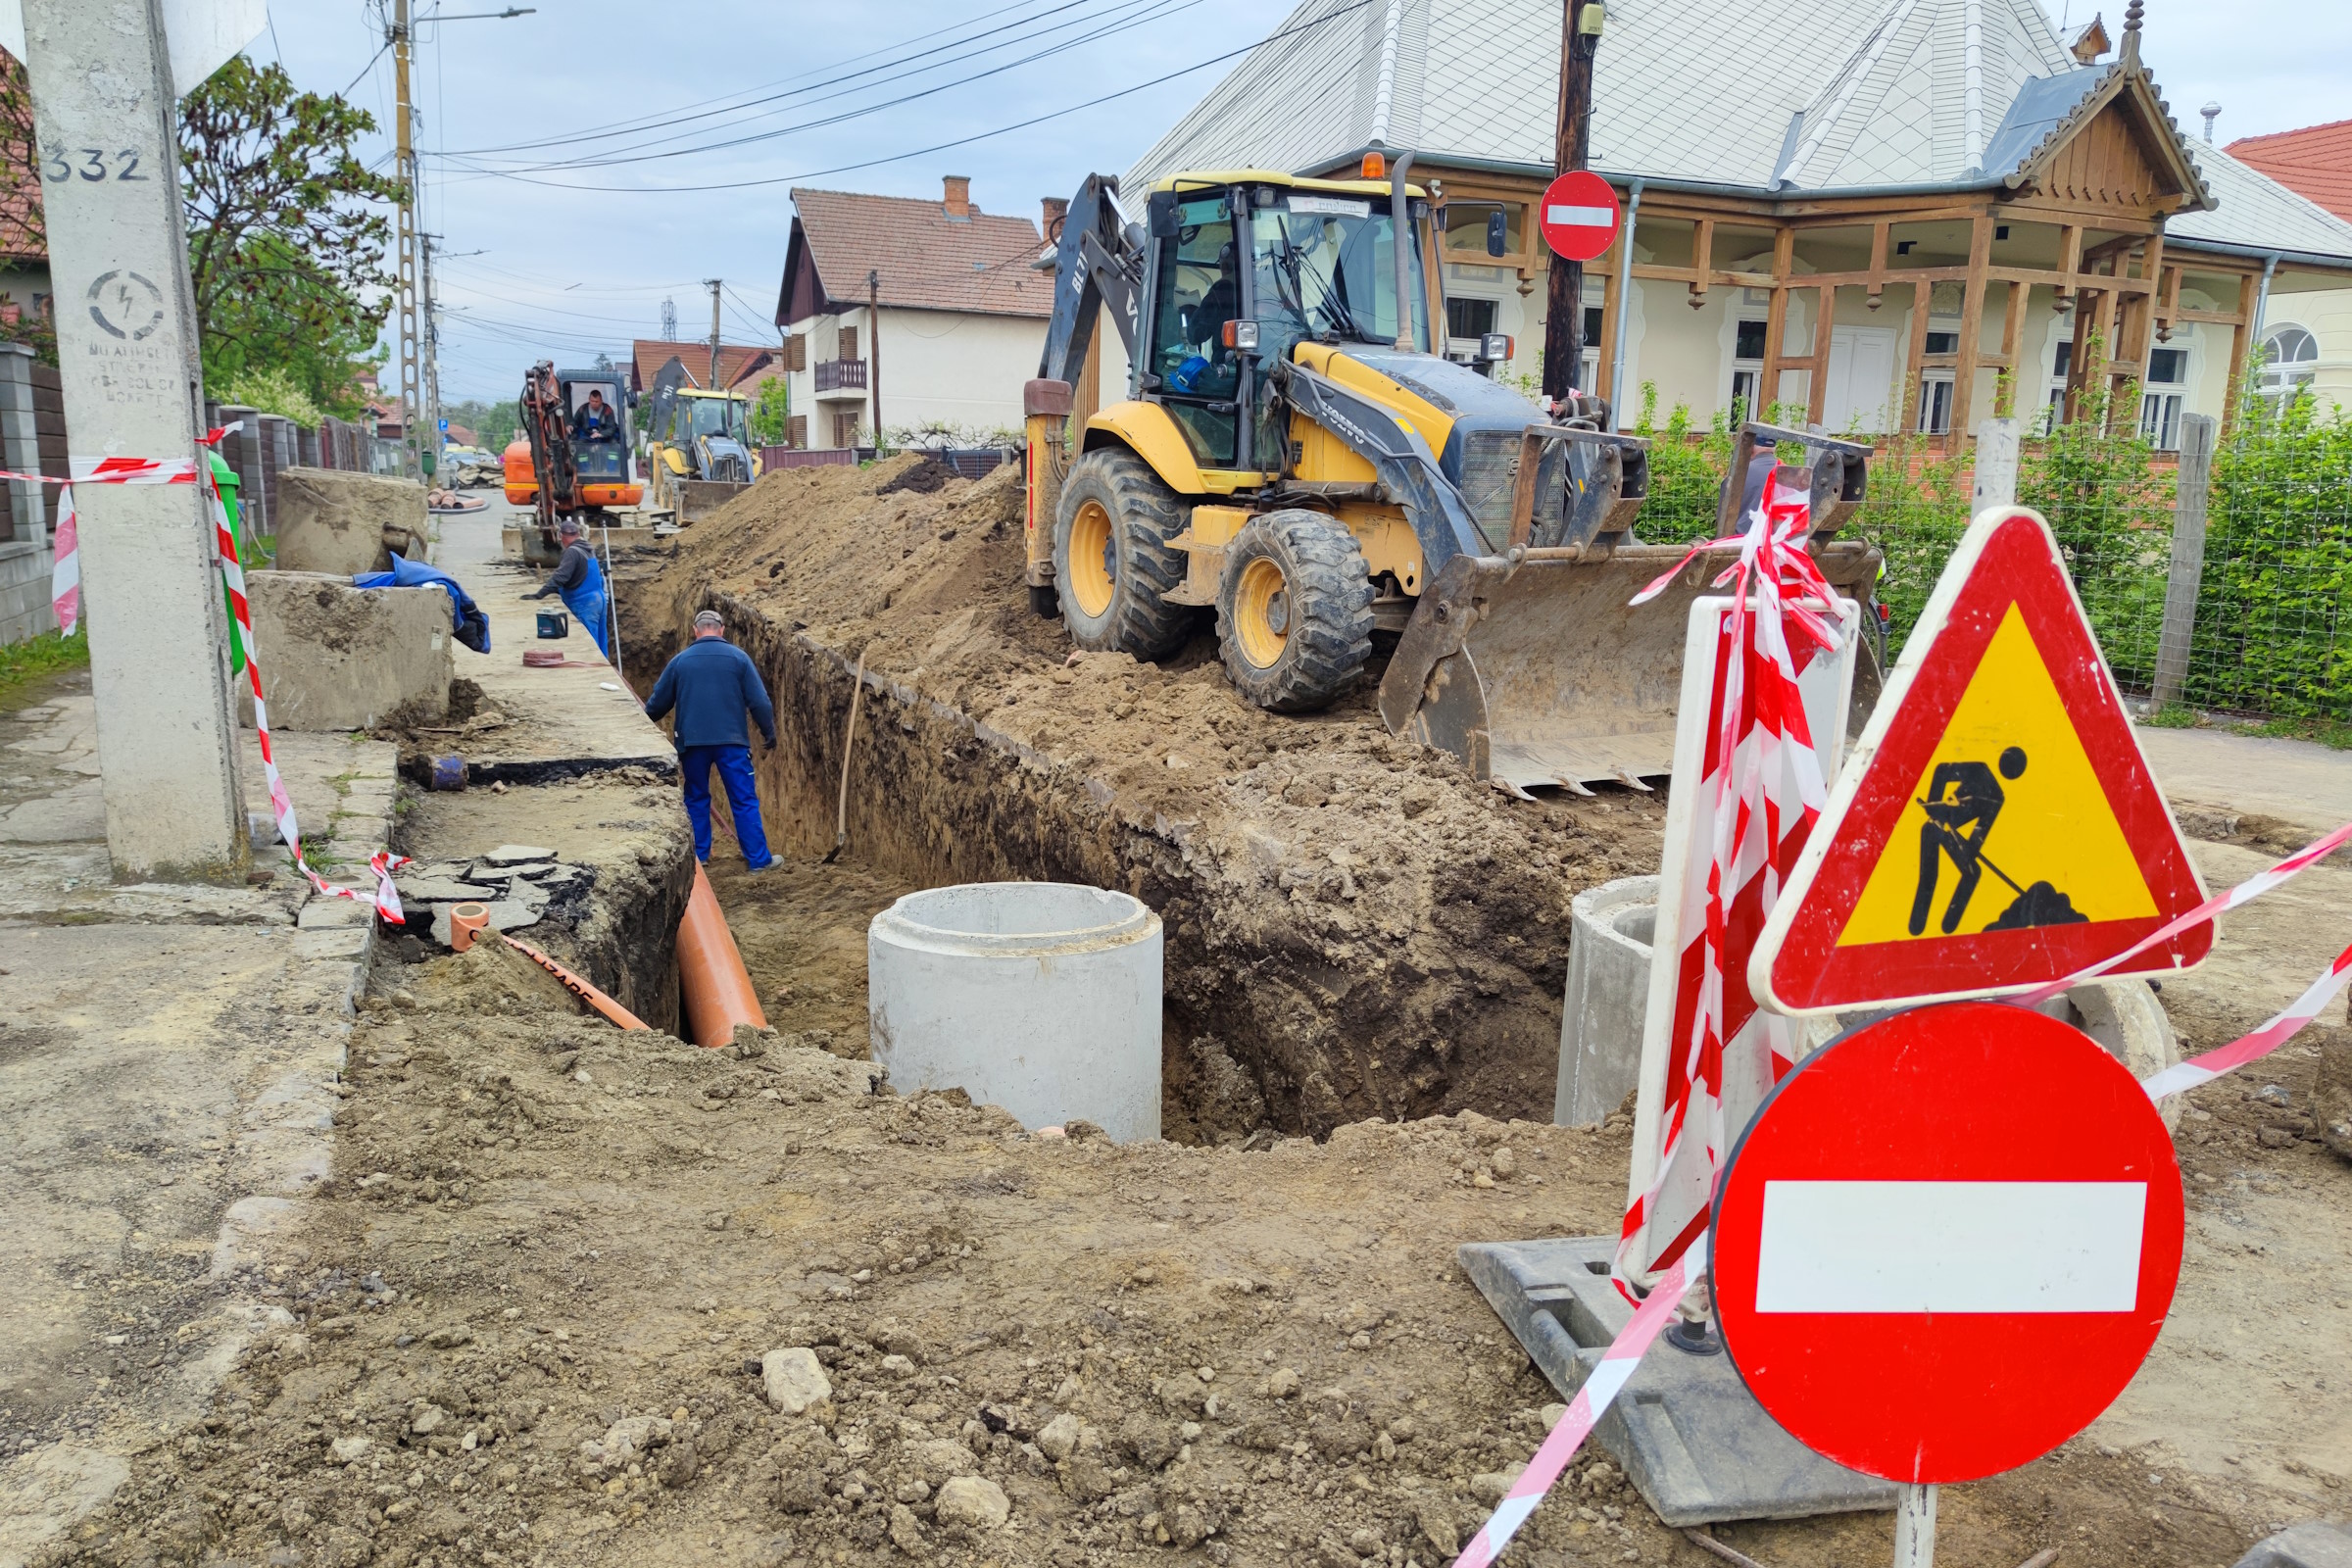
(1625, 1352)
(184, 471)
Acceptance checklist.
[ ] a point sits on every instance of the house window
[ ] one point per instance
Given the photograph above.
(1469, 317)
(1935, 403)
(848, 425)
(795, 352)
(796, 433)
(2289, 359)
(1748, 368)
(2053, 412)
(848, 348)
(1944, 342)
(2160, 398)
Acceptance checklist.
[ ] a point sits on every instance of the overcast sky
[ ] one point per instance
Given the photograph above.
(548, 259)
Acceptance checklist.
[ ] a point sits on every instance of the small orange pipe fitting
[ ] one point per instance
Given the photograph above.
(467, 921)
(718, 990)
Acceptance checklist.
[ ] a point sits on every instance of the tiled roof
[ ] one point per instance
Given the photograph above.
(2258, 212)
(1785, 95)
(923, 257)
(736, 361)
(2315, 163)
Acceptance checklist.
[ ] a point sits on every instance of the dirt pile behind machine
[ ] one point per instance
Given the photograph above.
(1296, 455)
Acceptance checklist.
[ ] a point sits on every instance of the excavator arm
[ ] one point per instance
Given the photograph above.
(1098, 262)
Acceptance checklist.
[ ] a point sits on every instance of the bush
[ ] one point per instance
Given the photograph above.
(2273, 634)
(271, 391)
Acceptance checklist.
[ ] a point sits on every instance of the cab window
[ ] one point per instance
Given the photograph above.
(1198, 291)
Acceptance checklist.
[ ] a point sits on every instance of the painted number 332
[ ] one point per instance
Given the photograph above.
(92, 163)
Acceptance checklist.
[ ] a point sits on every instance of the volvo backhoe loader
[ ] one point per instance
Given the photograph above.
(1294, 453)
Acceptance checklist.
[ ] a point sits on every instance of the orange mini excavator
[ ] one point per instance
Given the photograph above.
(571, 460)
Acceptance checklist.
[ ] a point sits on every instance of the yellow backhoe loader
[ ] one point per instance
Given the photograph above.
(1295, 454)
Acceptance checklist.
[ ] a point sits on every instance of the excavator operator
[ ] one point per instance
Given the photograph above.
(596, 420)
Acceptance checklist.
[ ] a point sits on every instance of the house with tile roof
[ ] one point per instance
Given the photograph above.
(1893, 214)
(904, 313)
(2307, 341)
(740, 365)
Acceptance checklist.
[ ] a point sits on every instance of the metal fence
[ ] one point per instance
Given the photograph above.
(2246, 542)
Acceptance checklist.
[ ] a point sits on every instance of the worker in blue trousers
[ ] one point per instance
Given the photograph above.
(581, 582)
(713, 685)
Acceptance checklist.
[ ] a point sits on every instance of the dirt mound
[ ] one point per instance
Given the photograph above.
(1354, 927)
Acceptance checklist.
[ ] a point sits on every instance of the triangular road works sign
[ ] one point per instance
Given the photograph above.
(1996, 828)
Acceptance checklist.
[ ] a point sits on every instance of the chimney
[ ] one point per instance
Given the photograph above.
(960, 196)
(1056, 209)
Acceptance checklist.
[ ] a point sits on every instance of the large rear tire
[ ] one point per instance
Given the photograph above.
(1113, 558)
(1294, 610)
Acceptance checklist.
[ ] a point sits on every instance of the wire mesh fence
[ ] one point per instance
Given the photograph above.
(2273, 634)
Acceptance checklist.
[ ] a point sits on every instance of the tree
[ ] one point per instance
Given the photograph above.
(23, 232)
(770, 418)
(286, 232)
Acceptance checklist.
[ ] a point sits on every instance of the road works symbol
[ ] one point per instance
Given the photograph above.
(1947, 1242)
(1996, 827)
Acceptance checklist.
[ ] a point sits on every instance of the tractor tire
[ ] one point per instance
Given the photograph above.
(1294, 610)
(1113, 560)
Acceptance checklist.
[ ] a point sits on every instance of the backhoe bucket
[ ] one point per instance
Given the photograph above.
(1542, 672)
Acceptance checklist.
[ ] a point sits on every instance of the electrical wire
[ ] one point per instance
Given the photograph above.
(1139, 14)
(657, 122)
(923, 152)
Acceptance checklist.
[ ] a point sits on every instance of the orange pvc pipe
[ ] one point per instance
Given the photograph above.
(576, 986)
(467, 921)
(718, 990)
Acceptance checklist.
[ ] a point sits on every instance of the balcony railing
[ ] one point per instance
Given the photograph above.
(840, 375)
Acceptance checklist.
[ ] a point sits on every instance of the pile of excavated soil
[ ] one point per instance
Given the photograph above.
(525, 1321)
(1354, 926)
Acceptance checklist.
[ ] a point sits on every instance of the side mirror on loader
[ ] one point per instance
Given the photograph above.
(1497, 234)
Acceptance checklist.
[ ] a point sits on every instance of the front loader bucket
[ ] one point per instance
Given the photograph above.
(1542, 672)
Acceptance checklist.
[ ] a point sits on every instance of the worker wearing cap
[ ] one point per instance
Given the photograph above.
(581, 582)
(713, 685)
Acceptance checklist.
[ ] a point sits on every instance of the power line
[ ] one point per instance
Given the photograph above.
(923, 152)
(1140, 12)
(641, 122)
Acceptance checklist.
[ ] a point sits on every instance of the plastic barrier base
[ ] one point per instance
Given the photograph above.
(1686, 1431)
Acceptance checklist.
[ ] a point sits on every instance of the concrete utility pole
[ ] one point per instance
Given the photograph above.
(713, 285)
(1564, 301)
(404, 169)
(101, 77)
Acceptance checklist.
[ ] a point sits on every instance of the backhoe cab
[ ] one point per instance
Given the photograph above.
(1294, 455)
(696, 434)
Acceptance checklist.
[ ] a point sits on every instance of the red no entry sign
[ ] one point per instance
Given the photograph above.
(1946, 1242)
(1579, 216)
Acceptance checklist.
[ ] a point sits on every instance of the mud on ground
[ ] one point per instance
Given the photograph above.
(1354, 927)
(526, 1312)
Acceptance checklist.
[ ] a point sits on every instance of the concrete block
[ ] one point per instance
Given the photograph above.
(2307, 1545)
(339, 658)
(1608, 996)
(331, 522)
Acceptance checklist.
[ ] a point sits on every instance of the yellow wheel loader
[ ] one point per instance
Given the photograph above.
(1295, 456)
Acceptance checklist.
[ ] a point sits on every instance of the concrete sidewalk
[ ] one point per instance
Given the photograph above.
(2211, 770)
(560, 723)
(170, 1059)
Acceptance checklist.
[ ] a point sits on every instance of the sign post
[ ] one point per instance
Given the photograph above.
(109, 164)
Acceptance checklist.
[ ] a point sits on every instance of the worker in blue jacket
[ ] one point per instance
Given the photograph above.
(713, 685)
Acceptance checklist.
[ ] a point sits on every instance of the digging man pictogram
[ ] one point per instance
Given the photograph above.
(1963, 800)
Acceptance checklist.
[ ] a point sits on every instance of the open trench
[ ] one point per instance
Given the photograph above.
(1306, 986)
